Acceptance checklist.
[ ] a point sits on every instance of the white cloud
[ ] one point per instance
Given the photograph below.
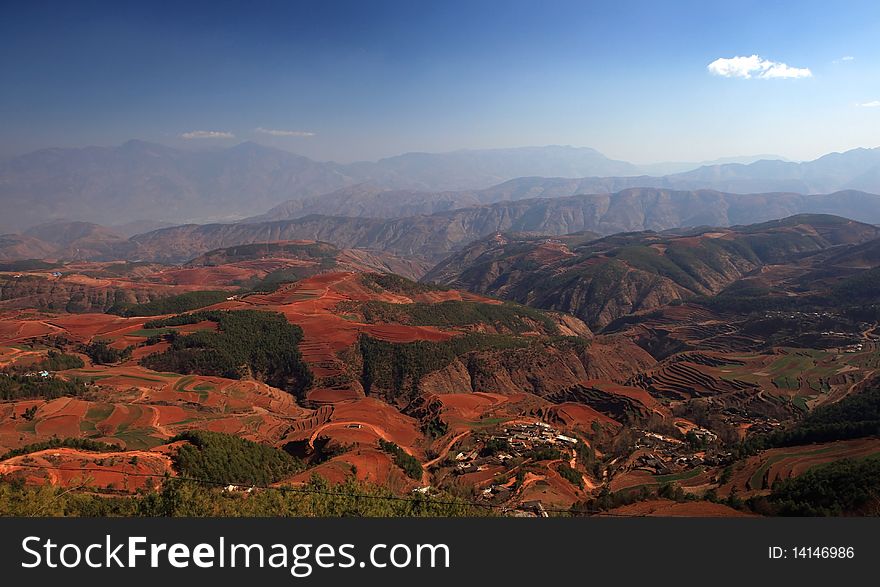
(871, 104)
(847, 58)
(207, 134)
(284, 133)
(755, 66)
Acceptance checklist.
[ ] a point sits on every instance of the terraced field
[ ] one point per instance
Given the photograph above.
(662, 398)
(140, 410)
(637, 479)
(758, 474)
(687, 376)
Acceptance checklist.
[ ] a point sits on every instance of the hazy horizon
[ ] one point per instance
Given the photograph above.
(210, 147)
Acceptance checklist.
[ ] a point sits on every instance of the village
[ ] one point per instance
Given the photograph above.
(660, 454)
(514, 441)
(511, 446)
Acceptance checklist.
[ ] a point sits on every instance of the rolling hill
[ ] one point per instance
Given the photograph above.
(433, 236)
(603, 279)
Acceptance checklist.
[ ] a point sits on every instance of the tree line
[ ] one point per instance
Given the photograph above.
(248, 343)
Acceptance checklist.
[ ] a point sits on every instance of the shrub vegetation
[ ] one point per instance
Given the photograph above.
(263, 345)
(228, 459)
(171, 305)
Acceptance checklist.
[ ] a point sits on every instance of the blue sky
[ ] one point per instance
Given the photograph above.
(363, 80)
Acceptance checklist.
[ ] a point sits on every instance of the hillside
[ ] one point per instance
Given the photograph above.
(103, 286)
(432, 237)
(369, 200)
(78, 240)
(299, 347)
(14, 247)
(317, 256)
(603, 279)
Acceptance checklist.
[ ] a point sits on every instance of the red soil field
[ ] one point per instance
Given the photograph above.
(67, 467)
(141, 352)
(310, 304)
(471, 406)
(330, 396)
(15, 329)
(130, 416)
(759, 472)
(550, 488)
(466, 412)
(63, 406)
(365, 464)
(348, 433)
(573, 415)
(12, 356)
(145, 406)
(688, 509)
(381, 418)
(84, 327)
(221, 276)
(167, 415)
(632, 478)
(479, 479)
(400, 333)
(635, 393)
(136, 407)
(64, 426)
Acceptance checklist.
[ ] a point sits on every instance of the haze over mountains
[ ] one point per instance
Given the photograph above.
(430, 238)
(143, 185)
(670, 167)
(147, 181)
(858, 169)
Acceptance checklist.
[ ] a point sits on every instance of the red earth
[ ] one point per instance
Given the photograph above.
(687, 509)
(65, 467)
(141, 410)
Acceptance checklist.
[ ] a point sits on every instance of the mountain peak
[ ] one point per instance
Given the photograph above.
(141, 147)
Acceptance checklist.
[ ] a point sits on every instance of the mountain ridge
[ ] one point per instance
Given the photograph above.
(433, 237)
(140, 180)
(145, 182)
(603, 279)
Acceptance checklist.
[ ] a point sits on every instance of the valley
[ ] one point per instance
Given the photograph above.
(688, 371)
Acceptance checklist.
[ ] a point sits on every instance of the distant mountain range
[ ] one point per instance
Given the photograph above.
(145, 181)
(430, 238)
(858, 169)
(140, 181)
(140, 185)
(670, 167)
